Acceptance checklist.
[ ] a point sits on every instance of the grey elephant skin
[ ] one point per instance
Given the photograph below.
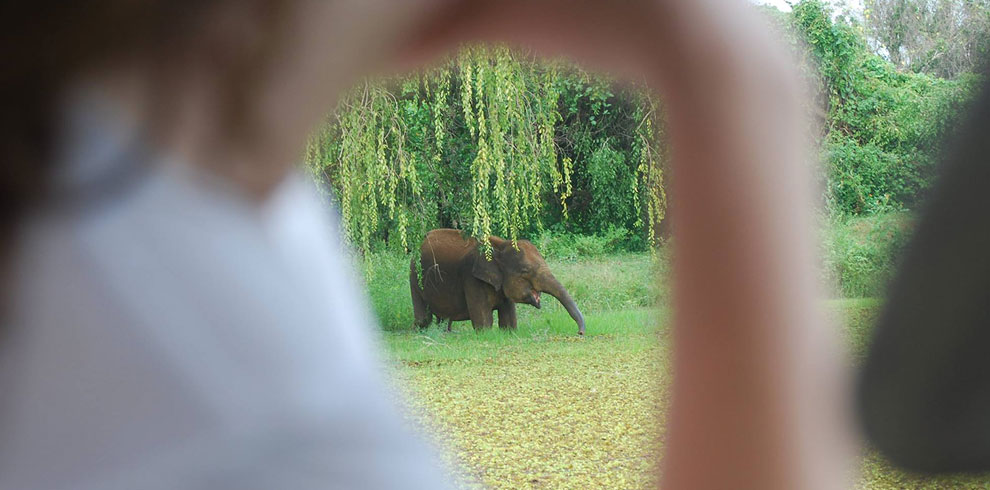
(460, 283)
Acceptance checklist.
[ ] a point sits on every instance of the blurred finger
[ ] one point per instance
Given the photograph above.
(602, 36)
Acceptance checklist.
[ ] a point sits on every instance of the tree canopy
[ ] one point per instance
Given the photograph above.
(493, 141)
(945, 38)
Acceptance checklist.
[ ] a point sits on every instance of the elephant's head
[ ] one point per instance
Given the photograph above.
(523, 275)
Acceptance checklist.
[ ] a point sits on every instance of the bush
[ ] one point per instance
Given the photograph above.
(861, 253)
(883, 129)
(387, 281)
(568, 246)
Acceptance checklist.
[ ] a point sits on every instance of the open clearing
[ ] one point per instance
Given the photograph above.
(542, 408)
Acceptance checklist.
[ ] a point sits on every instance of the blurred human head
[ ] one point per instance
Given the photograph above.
(233, 86)
(49, 49)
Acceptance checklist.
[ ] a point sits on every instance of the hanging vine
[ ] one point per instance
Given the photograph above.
(649, 171)
(471, 143)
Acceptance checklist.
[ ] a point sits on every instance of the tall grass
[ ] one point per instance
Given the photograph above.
(568, 246)
(387, 279)
(861, 253)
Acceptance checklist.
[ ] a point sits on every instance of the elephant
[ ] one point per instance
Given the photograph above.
(460, 283)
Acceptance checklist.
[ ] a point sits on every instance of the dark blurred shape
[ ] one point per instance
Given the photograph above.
(46, 48)
(924, 394)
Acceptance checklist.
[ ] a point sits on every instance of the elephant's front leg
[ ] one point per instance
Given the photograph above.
(481, 317)
(507, 315)
(479, 304)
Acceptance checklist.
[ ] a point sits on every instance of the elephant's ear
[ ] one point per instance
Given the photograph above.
(487, 270)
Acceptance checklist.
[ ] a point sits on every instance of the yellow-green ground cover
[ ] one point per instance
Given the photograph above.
(542, 408)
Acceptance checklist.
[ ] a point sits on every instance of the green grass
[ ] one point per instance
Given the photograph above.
(540, 407)
(861, 253)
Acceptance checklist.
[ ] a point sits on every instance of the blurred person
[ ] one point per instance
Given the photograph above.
(177, 312)
(181, 314)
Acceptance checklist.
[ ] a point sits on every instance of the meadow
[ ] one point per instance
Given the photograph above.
(540, 407)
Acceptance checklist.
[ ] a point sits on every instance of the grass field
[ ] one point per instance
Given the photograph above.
(540, 407)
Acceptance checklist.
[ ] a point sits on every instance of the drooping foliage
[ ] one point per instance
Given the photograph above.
(492, 142)
(510, 113)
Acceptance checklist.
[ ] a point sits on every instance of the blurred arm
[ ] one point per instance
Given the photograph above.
(759, 397)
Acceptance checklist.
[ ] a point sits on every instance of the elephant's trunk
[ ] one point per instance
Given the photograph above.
(554, 288)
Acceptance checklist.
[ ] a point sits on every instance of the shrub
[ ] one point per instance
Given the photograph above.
(568, 246)
(882, 128)
(861, 253)
(387, 282)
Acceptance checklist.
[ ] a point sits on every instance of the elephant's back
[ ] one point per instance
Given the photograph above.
(445, 246)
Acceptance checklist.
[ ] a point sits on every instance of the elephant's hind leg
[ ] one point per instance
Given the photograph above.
(421, 312)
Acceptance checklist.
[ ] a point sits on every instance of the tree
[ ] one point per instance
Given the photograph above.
(940, 37)
(889, 22)
(490, 142)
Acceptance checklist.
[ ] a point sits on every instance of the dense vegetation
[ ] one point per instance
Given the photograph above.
(882, 129)
(493, 141)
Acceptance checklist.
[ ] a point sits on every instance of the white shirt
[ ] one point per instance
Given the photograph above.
(168, 333)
